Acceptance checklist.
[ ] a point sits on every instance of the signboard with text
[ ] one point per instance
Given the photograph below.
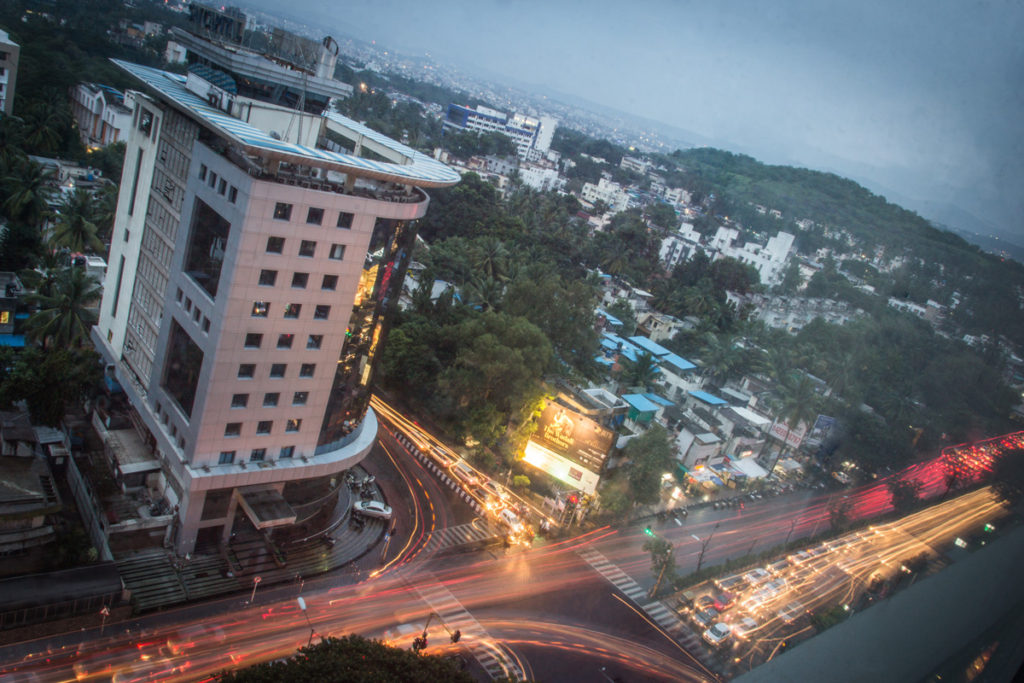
(573, 437)
(792, 437)
(560, 468)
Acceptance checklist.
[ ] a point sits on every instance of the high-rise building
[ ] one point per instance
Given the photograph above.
(9, 52)
(253, 273)
(531, 136)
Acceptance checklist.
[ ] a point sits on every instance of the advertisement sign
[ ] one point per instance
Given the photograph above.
(792, 437)
(560, 468)
(822, 426)
(574, 437)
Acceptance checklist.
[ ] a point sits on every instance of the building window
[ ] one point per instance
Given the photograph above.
(206, 324)
(246, 371)
(287, 452)
(307, 248)
(292, 310)
(299, 398)
(337, 252)
(299, 280)
(264, 426)
(222, 187)
(293, 425)
(182, 367)
(270, 399)
(314, 341)
(213, 179)
(321, 312)
(345, 220)
(257, 454)
(202, 171)
(282, 211)
(233, 194)
(284, 341)
(195, 314)
(268, 277)
(275, 245)
(146, 122)
(277, 370)
(330, 282)
(253, 340)
(240, 400)
(226, 458)
(315, 216)
(207, 244)
(307, 369)
(233, 429)
(260, 309)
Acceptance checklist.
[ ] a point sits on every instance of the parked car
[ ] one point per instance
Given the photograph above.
(703, 602)
(777, 568)
(717, 634)
(723, 601)
(706, 617)
(756, 576)
(465, 474)
(372, 508)
(495, 489)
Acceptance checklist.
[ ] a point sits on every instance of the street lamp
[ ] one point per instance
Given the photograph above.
(255, 582)
(312, 631)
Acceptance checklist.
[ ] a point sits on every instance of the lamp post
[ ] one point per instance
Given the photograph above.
(312, 631)
(255, 582)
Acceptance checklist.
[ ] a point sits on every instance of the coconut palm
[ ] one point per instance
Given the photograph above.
(11, 138)
(65, 316)
(798, 403)
(76, 223)
(105, 206)
(27, 186)
(490, 258)
(640, 372)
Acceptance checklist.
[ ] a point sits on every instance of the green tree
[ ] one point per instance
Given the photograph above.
(76, 227)
(621, 309)
(28, 193)
(352, 659)
(663, 562)
(798, 403)
(65, 317)
(640, 372)
(649, 455)
(47, 380)
(905, 494)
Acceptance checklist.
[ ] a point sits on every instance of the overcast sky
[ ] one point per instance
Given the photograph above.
(922, 97)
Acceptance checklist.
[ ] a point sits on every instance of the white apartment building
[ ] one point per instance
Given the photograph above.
(9, 53)
(241, 313)
(531, 136)
(680, 246)
(102, 115)
(541, 179)
(607, 191)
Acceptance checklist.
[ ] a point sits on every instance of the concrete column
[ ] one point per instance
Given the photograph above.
(229, 523)
(189, 516)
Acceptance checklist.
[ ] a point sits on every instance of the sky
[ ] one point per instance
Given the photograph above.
(920, 100)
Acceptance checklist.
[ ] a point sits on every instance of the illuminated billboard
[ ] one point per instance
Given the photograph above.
(573, 474)
(574, 437)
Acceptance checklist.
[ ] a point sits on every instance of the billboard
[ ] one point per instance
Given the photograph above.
(576, 476)
(792, 437)
(573, 437)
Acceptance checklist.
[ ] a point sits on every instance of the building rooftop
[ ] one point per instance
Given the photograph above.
(640, 402)
(651, 347)
(705, 397)
(414, 167)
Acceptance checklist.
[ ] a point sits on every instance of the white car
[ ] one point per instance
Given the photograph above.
(373, 508)
(717, 634)
(756, 576)
(791, 612)
(495, 489)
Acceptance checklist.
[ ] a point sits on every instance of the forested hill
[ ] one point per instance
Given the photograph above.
(937, 263)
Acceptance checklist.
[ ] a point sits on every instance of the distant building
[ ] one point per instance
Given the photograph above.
(9, 53)
(607, 191)
(641, 166)
(541, 179)
(101, 113)
(531, 136)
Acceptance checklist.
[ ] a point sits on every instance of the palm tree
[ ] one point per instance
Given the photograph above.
(43, 125)
(490, 258)
(11, 138)
(484, 293)
(722, 356)
(798, 403)
(65, 317)
(105, 205)
(76, 223)
(640, 372)
(27, 186)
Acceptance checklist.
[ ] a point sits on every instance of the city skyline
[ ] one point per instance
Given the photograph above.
(918, 103)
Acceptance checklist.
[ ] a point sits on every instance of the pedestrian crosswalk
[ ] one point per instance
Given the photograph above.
(489, 653)
(473, 532)
(655, 609)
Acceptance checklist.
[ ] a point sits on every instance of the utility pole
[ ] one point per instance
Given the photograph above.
(704, 546)
(312, 631)
(255, 582)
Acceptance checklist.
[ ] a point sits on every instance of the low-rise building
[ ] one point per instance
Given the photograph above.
(101, 113)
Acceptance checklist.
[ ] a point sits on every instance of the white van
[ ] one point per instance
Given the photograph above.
(510, 519)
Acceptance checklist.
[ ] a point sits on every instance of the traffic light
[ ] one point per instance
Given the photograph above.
(573, 499)
(989, 528)
(456, 636)
(648, 531)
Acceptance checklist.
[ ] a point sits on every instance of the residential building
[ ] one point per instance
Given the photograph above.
(541, 179)
(241, 313)
(607, 191)
(641, 166)
(9, 53)
(102, 115)
(531, 136)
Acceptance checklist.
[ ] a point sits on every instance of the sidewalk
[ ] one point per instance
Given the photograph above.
(157, 579)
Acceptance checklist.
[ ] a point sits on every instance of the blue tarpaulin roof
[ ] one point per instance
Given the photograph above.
(640, 402)
(677, 362)
(612, 320)
(710, 399)
(651, 347)
(654, 398)
(17, 340)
